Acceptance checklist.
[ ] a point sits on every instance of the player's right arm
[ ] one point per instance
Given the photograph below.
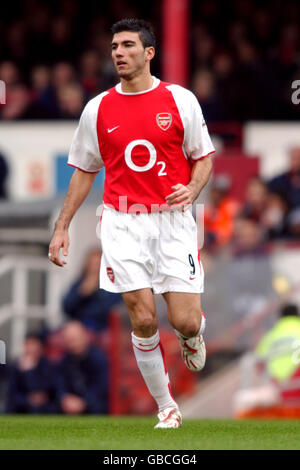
(79, 187)
(85, 156)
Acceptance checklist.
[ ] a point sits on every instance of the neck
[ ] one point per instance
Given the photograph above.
(136, 84)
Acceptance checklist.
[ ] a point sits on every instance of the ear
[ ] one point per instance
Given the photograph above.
(149, 53)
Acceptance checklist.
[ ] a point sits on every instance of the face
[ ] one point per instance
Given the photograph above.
(33, 347)
(128, 54)
(75, 338)
(256, 193)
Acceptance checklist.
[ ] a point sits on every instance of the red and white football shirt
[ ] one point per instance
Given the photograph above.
(146, 141)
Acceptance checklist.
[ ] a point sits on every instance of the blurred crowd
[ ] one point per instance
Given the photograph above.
(75, 383)
(67, 370)
(270, 211)
(244, 55)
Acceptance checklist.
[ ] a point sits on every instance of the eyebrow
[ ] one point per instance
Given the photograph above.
(127, 41)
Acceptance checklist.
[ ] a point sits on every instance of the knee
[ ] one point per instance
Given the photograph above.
(143, 318)
(145, 323)
(189, 327)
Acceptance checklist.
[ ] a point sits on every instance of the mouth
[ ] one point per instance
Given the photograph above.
(120, 63)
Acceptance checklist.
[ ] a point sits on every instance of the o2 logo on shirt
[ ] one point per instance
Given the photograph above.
(152, 157)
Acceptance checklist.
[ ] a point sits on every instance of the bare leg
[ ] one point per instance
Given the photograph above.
(141, 308)
(184, 312)
(185, 315)
(147, 346)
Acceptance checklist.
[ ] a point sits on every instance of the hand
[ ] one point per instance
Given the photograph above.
(37, 398)
(183, 196)
(72, 404)
(59, 240)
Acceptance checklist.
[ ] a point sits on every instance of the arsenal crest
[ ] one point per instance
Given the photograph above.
(110, 274)
(164, 120)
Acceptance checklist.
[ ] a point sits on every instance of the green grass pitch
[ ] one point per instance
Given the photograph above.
(133, 433)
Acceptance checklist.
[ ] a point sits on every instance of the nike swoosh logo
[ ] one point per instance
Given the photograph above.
(110, 130)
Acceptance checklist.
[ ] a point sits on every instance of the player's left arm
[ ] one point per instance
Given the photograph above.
(186, 195)
(198, 148)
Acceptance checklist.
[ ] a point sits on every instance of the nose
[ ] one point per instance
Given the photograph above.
(118, 51)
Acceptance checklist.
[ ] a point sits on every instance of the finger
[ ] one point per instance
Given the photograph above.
(180, 201)
(58, 262)
(65, 247)
(53, 256)
(179, 192)
(179, 198)
(177, 188)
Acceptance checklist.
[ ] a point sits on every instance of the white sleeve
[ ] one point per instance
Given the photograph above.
(197, 143)
(84, 152)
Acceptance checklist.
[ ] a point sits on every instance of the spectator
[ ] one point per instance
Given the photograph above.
(267, 209)
(70, 101)
(90, 72)
(63, 74)
(17, 103)
(255, 199)
(219, 213)
(274, 219)
(9, 73)
(32, 381)
(83, 374)
(287, 185)
(293, 222)
(85, 301)
(40, 80)
(279, 349)
(62, 42)
(204, 88)
(273, 389)
(43, 101)
(247, 237)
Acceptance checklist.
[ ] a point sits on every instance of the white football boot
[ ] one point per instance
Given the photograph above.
(193, 352)
(169, 418)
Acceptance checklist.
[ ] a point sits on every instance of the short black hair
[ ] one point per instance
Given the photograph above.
(135, 25)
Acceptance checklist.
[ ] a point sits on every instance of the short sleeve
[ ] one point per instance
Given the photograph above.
(84, 152)
(197, 143)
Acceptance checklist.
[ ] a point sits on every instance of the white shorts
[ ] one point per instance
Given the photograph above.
(150, 250)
